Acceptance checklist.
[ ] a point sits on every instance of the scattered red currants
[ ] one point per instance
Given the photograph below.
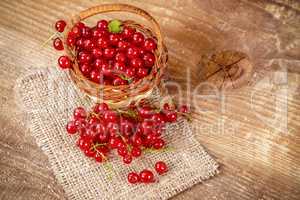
(60, 25)
(133, 177)
(64, 62)
(58, 44)
(146, 176)
(161, 167)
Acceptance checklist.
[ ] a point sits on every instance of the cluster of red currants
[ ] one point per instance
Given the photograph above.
(109, 53)
(128, 131)
(146, 175)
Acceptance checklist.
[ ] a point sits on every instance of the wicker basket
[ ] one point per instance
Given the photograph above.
(119, 96)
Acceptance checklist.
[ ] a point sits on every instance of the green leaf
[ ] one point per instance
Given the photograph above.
(114, 26)
(125, 78)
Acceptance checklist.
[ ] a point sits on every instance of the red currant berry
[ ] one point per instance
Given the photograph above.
(126, 127)
(97, 33)
(75, 32)
(84, 143)
(79, 113)
(184, 109)
(110, 116)
(142, 72)
(149, 59)
(71, 41)
(101, 129)
(106, 69)
(84, 57)
(100, 108)
(130, 72)
(120, 57)
(98, 157)
(102, 24)
(158, 131)
(80, 25)
(71, 127)
(137, 141)
(159, 143)
(79, 43)
(119, 67)
(157, 118)
(147, 127)
(102, 42)
(86, 32)
(89, 44)
(136, 152)
(122, 151)
(98, 63)
(103, 149)
(64, 62)
(114, 39)
(146, 176)
(161, 167)
(128, 32)
(145, 112)
(93, 121)
(96, 52)
(132, 52)
(166, 107)
(138, 38)
(95, 76)
(60, 25)
(123, 45)
(103, 138)
(86, 69)
(142, 52)
(89, 153)
(113, 129)
(150, 44)
(127, 159)
(81, 125)
(58, 44)
(136, 62)
(171, 116)
(114, 142)
(121, 145)
(133, 178)
(109, 53)
(118, 81)
(151, 138)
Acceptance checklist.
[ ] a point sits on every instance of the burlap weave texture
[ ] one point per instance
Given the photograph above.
(48, 98)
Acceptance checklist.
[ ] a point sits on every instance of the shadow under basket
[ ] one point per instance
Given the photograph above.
(123, 95)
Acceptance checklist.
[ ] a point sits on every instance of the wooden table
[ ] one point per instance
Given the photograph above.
(253, 131)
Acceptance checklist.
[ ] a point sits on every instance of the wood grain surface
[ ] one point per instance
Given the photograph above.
(253, 131)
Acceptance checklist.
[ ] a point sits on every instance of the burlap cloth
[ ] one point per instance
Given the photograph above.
(48, 99)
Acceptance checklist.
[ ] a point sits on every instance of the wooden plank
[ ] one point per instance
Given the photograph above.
(258, 159)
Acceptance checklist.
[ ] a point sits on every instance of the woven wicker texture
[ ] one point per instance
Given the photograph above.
(49, 99)
(123, 94)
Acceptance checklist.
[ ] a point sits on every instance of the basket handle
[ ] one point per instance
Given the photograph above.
(123, 8)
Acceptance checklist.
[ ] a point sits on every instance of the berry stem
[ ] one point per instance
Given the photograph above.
(94, 148)
(129, 113)
(50, 38)
(94, 114)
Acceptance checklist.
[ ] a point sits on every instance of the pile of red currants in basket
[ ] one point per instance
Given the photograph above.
(126, 131)
(111, 53)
